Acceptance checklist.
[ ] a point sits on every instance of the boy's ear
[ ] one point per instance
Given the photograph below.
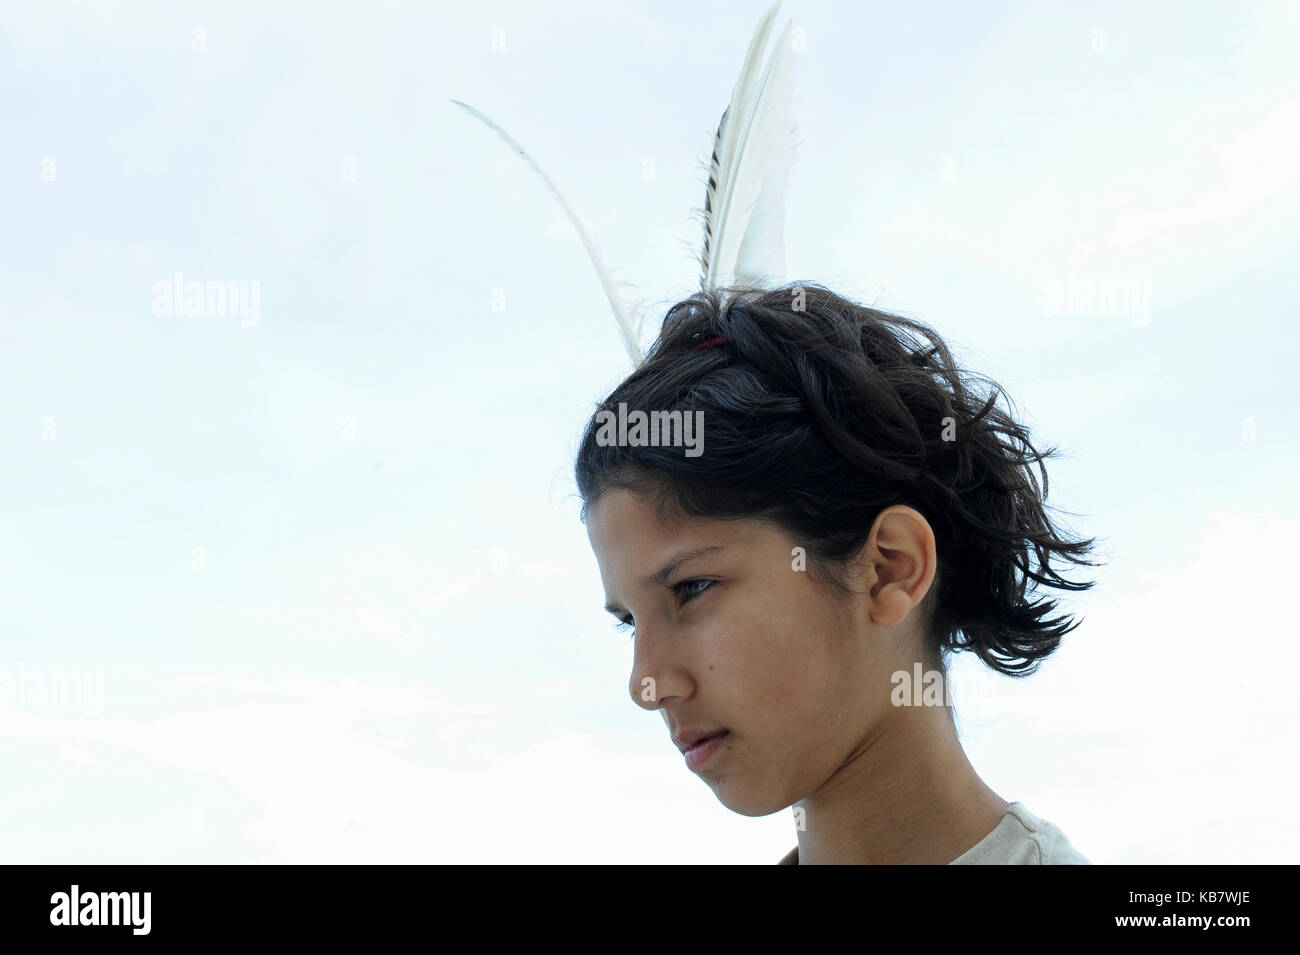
(902, 560)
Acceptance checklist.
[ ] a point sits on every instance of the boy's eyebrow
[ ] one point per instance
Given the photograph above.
(663, 573)
(661, 576)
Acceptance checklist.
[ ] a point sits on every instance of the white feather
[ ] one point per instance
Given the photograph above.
(754, 147)
(623, 317)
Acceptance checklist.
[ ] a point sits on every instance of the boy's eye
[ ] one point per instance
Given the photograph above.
(688, 590)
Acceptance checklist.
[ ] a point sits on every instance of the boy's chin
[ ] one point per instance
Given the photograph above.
(747, 801)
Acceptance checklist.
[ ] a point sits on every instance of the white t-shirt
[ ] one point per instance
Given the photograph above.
(1020, 838)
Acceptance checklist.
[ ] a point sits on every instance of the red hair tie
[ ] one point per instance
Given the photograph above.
(712, 341)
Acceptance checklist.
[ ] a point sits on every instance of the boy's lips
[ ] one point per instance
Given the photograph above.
(690, 738)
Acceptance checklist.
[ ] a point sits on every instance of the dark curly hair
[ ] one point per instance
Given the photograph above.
(819, 414)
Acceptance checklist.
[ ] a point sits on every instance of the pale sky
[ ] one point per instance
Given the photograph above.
(310, 576)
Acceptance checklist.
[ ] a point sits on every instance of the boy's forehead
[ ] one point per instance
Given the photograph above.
(626, 529)
(621, 517)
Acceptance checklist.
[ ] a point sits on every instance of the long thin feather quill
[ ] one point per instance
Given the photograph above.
(622, 315)
(753, 150)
